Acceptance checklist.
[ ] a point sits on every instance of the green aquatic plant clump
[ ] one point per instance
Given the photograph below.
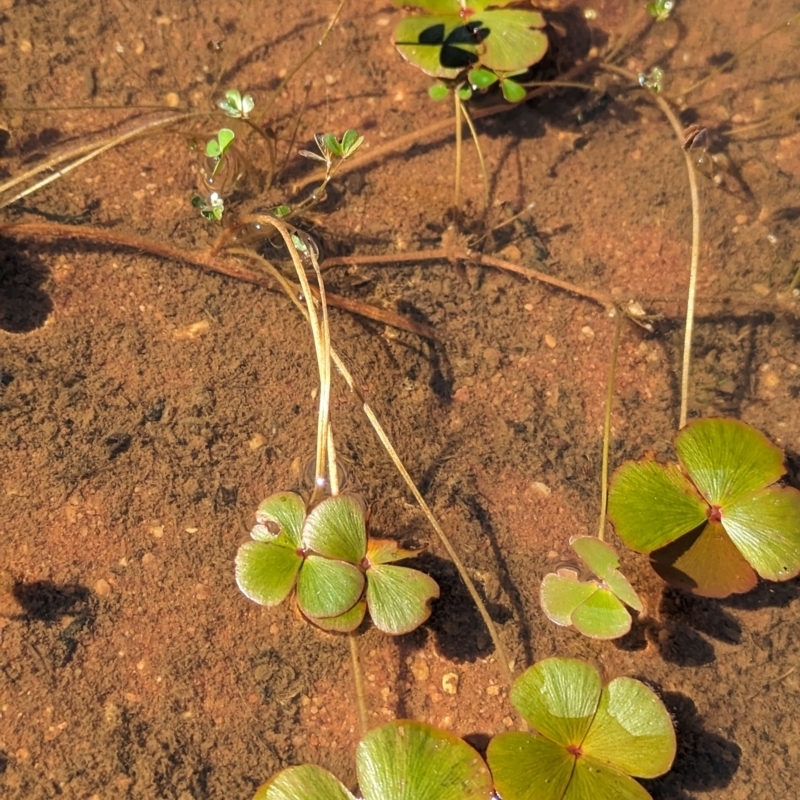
(338, 574)
(716, 519)
(596, 608)
(589, 739)
(451, 37)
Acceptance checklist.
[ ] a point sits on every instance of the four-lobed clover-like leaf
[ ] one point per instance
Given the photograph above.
(337, 573)
(597, 607)
(454, 35)
(714, 521)
(588, 741)
(401, 760)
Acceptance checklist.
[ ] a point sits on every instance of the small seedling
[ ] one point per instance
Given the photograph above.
(401, 760)
(660, 10)
(596, 607)
(483, 78)
(338, 573)
(237, 105)
(454, 35)
(216, 148)
(589, 739)
(715, 519)
(211, 209)
(654, 81)
(332, 149)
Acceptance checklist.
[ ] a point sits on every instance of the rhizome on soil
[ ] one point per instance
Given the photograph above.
(150, 406)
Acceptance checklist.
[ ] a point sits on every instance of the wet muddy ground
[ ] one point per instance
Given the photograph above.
(146, 406)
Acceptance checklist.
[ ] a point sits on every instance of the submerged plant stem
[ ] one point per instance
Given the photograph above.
(612, 375)
(694, 192)
(484, 173)
(209, 261)
(505, 662)
(358, 682)
(457, 190)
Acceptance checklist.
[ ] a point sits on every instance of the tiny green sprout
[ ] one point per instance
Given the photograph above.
(716, 519)
(483, 78)
(438, 91)
(589, 741)
(215, 148)
(211, 209)
(401, 759)
(281, 211)
(331, 148)
(660, 10)
(654, 81)
(237, 105)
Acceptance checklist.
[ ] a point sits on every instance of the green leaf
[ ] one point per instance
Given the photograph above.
(398, 597)
(513, 91)
(336, 528)
(560, 596)
(705, 562)
(280, 518)
(651, 504)
(406, 760)
(765, 526)
(559, 697)
(438, 91)
(441, 46)
(306, 782)
(600, 557)
(225, 137)
(632, 731)
(266, 571)
(529, 767)
(603, 561)
(514, 41)
(602, 616)
(328, 588)
(447, 42)
(351, 141)
(726, 458)
(481, 78)
(593, 780)
(344, 623)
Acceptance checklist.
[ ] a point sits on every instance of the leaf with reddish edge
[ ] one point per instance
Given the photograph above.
(336, 528)
(725, 458)
(306, 782)
(266, 571)
(385, 551)
(561, 595)
(407, 760)
(328, 588)
(280, 518)
(652, 504)
(765, 526)
(344, 623)
(399, 598)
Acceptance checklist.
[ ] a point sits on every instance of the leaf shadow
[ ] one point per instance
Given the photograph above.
(24, 305)
(683, 618)
(704, 760)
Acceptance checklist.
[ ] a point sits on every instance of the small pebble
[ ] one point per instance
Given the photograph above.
(256, 442)
(202, 592)
(172, 99)
(102, 588)
(450, 683)
(549, 341)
